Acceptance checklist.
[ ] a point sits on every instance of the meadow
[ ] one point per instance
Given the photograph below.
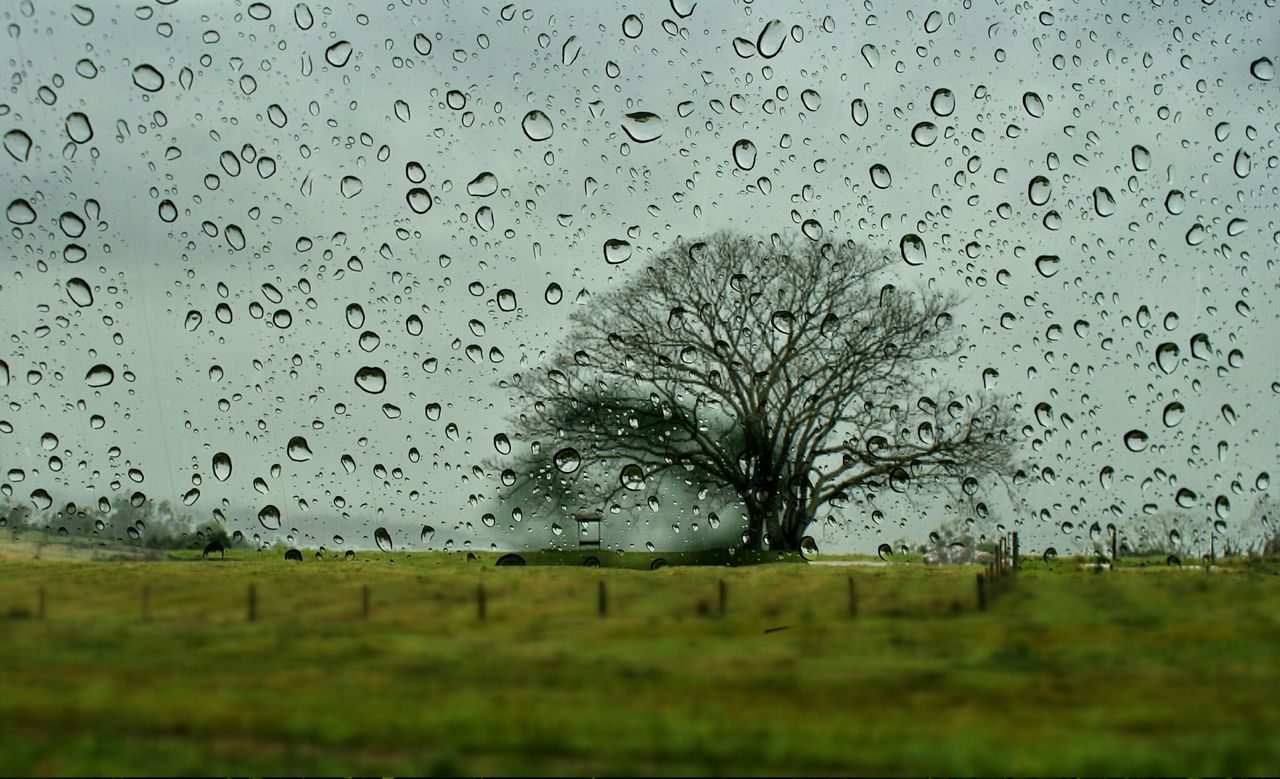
(1146, 669)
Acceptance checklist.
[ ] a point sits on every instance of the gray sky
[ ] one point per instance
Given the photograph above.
(1063, 92)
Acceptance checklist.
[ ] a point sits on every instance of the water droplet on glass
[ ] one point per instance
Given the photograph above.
(1047, 265)
(350, 186)
(269, 517)
(1038, 191)
(642, 126)
(100, 376)
(880, 176)
(419, 200)
(20, 212)
(222, 466)
(298, 450)
(1262, 69)
(858, 110)
(338, 54)
(79, 130)
(18, 144)
(924, 133)
(1033, 105)
(567, 460)
(537, 126)
(371, 379)
(616, 251)
(632, 26)
(772, 37)
(1103, 203)
(1141, 158)
(1135, 440)
(912, 248)
(942, 102)
(744, 154)
(483, 185)
(1172, 414)
(148, 78)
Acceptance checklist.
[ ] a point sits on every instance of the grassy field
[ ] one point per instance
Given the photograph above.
(1139, 671)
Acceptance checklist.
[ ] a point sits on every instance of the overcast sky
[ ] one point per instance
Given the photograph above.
(279, 161)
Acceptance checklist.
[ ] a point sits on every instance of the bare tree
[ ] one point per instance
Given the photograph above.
(781, 370)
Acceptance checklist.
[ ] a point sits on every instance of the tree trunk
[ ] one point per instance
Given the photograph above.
(754, 537)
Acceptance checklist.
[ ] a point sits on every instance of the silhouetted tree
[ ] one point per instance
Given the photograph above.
(782, 370)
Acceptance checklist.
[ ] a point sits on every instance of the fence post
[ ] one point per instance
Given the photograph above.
(853, 599)
(253, 602)
(146, 603)
(40, 602)
(1015, 551)
(480, 601)
(1114, 533)
(602, 603)
(724, 595)
(364, 602)
(982, 594)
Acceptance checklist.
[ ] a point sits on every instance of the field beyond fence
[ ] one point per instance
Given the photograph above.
(398, 664)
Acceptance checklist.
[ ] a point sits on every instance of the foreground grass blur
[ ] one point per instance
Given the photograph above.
(1069, 671)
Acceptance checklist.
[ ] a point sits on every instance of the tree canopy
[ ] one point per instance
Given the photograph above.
(785, 371)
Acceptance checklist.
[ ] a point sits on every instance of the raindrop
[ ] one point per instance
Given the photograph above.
(148, 78)
(383, 539)
(20, 212)
(1141, 158)
(350, 186)
(924, 134)
(1167, 355)
(1038, 191)
(355, 316)
(642, 126)
(1047, 265)
(1172, 414)
(79, 130)
(338, 54)
(554, 294)
(371, 379)
(483, 185)
(1033, 105)
(769, 42)
(880, 176)
(298, 450)
(222, 466)
(616, 251)
(1135, 440)
(419, 200)
(1242, 163)
(1175, 203)
(1262, 69)
(871, 55)
(567, 460)
(632, 477)
(18, 144)
(1103, 203)
(912, 248)
(537, 126)
(100, 376)
(744, 154)
(269, 517)
(632, 26)
(942, 102)
(858, 109)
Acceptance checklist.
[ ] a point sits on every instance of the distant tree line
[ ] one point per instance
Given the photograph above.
(122, 520)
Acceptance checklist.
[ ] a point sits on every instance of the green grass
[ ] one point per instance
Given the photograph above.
(1070, 671)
